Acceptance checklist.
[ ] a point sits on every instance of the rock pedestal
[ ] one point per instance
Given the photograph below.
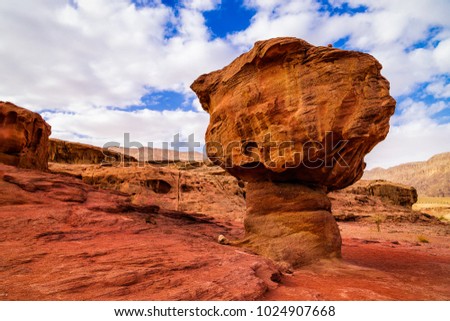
(290, 223)
(295, 121)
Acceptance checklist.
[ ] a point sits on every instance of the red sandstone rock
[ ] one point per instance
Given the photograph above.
(65, 152)
(203, 189)
(294, 119)
(61, 239)
(23, 137)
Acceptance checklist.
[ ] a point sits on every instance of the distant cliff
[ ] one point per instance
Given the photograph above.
(61, 151)
(430, 178)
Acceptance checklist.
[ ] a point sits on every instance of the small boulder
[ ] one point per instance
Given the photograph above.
(222, 240)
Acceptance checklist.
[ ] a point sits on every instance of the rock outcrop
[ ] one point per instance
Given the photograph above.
(394, 193)
(204, 189)
(294, 121)
(430, 178)
(61, 151)
(23, 137)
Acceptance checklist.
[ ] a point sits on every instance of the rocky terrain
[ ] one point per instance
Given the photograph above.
(207, 189)
(430, 178)
(158, 155)
(197, 188)
(80, 222)
(63, 239)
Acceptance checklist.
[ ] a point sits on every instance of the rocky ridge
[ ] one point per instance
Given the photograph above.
(430, 178)
(61, 151)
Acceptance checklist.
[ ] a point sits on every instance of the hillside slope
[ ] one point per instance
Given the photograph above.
(430, 178)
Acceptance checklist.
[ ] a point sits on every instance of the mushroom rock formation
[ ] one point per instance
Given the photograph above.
(23, 137)
(295, 121)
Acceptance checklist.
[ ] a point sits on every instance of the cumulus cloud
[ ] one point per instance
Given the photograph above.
(201, 5)
(415, 135)
(439, 88)
(144, 126)
(56, 55)
(79, 58)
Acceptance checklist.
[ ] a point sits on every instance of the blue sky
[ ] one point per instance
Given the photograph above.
(99, 68)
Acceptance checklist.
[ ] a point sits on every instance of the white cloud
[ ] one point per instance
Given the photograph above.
(439, 88)
(441, 55)
(416, 141)
(201, 5)
(414, 136)
(143, 125)
(411, 111)
(388, 29)
(78, 58)
(101, 52)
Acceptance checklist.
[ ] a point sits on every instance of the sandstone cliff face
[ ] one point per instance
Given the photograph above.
(61, 151)
(23, 137)
(430, 178)
(295, 121)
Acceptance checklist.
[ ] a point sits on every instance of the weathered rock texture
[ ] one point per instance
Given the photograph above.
(61, 151)
(23, 137)
(178, 187)
(295, 121)
(62, 239)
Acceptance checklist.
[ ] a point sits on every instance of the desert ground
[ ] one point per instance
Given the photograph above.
(63, 239)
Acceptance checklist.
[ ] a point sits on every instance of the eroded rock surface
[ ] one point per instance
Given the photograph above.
(61, 239)
(177, 187)
(294, 119)
(23, 137)
(395, 193)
